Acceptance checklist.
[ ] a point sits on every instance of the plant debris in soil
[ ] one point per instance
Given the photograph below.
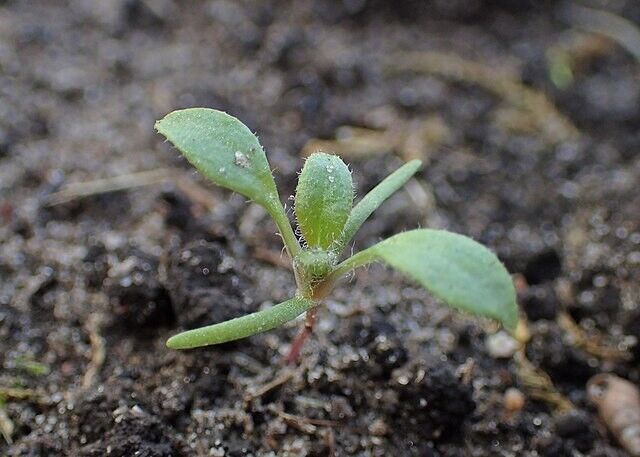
(92, 286)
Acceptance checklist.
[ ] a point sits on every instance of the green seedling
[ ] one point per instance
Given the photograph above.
(457, 270)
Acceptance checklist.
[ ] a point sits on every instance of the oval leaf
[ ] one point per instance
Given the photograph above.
(223, 149)
(454, 268)
(323, 199)
(243, 326)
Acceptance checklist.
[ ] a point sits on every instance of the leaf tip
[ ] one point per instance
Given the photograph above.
(160, 125)
(415, 164)
(174, 343)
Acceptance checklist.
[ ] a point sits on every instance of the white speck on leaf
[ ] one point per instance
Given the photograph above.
(241, 160)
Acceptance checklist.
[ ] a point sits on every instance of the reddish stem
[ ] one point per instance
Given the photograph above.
(297, 344)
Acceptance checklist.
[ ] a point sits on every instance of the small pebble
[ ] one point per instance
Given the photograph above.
(501, 345)
(513, 400)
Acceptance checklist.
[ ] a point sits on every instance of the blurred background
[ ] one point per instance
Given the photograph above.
(527, 117)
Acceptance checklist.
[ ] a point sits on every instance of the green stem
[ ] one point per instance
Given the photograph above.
(360, 259)
(275, 210)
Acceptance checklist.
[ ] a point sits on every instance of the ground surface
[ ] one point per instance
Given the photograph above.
(91, 288)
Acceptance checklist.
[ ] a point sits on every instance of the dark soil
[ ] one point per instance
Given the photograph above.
(389, 370)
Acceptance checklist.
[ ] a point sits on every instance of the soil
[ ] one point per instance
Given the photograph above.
(91, 288)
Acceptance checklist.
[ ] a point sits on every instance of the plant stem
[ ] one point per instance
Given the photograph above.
(361, 258)
(275, 210)
(298, 342)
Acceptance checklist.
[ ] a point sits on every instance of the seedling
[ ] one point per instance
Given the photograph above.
(454, 268)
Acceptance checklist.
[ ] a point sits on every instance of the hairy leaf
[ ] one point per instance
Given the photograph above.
(361, 212)
(323, 199)
(454, 268)
(243, 326)
(223, 149)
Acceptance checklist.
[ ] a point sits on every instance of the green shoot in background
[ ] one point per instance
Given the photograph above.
(457, 270)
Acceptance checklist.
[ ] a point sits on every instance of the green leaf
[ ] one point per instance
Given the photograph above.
(374, 199)
(323, 199)
(454, 268)
(243, 326)
(224, 150)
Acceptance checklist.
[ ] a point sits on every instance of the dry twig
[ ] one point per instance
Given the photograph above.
(591, 344)
(410, 139)
(528, 109)
(539, 384)
(18, 393)
(98, 351)
(617, 28)
(306, 424)
(79, 190)
(276, 382)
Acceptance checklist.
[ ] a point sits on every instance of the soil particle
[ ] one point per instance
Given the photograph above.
(543, 267)
(92, 416)
(513, 400)
(95, 265)
(138, 299)
(501, 345)
(206, 284)
(104, 422)
(540, 302)
(42, 299)
(598, 298)
(632, 327)
(178, 213)
(382, 344)
(138, 14)
(439, 403)
(550, 350)
(133, 432)
(572, 431)
(37, 445)
(387, 354)
(576, 430)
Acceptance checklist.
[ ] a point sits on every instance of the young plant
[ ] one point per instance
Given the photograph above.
(459, 271)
